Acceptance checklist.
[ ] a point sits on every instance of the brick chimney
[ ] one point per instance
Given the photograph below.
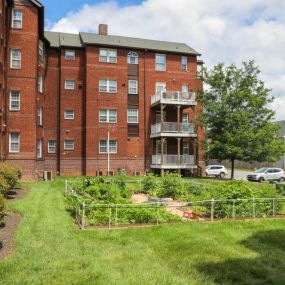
(103, 29)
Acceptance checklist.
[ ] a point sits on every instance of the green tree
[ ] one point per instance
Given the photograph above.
(236, 118)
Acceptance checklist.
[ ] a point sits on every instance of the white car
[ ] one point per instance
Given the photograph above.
(267, 174)
(216, 170)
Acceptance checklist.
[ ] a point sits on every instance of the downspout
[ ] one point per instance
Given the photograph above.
(145, 114)
(59, 113)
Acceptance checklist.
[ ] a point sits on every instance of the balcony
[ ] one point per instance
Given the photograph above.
(172, 129)
(173, 161)
(174, 98)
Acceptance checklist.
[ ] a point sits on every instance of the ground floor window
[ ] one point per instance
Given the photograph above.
(103, 146)
(14, 142)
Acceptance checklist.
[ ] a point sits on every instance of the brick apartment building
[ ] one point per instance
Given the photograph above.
(66, 97)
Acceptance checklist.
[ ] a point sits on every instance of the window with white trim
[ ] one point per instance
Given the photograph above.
(108, 55)
(40, 116)
(17, 19)
(39, 149)
(103, 146)
(184, 63)
(52, 146)
(69, 84)
(108, 85)
(14, 142)
(133, 58)
(133, 87)
(108, 116)
(40, 83)
(69, 114)
(160, 87)
(16, 58)
(41, 51)
(15, 100)
(69, 145)
(185, 148)
(70, 55)
(160, 62)
(185, 89)
(133, 116)
(185, 118)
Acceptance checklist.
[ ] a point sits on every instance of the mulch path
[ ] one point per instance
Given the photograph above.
(11, 223)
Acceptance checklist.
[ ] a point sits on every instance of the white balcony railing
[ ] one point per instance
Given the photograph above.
(174, 97)
(169, 159)
(172, 127)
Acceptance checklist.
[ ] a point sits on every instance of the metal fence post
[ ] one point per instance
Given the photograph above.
(140, 185)
(157, 214)
(65, 186)
(83, 216)
(116, 217)
(273, 207)
(212, 209)
(253, 208)
(110, 216)
(234, 209)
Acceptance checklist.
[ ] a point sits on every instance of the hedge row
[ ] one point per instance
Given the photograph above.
(9, 175)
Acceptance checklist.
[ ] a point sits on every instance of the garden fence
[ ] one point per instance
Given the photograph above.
(88, 214)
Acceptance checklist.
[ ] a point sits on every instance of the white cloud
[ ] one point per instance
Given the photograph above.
(222, 30)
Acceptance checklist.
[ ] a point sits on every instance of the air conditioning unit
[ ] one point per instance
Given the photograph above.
(48, 175)
(137, 173)
(111, 173)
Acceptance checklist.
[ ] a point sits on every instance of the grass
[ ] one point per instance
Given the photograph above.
(49, 249)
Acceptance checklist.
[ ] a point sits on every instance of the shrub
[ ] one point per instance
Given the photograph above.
(280, 188)
(171, 186)
(2, 208)
(11, 173)
(149, 184)
(4, 186)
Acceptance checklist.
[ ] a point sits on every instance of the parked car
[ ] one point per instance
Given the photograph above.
(267, 174)
(216, 170)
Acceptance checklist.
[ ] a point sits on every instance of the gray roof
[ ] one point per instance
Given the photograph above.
(83, 39)
(282, 128)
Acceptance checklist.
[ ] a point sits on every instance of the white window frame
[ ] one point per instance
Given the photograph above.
(185, 88)
(107, 87)
(41, 51)
(14, 142)
(69, 114)
(112, 149)
(18, 20)
(158, 86)
(69, 55)
(40, 83)
(40, 116)
(134, 116)
(185, 148)
(184, 65)
(107, 57)
(108, 116)
(17, 59)
(67, 84)
(132, 55)
(13, 100)
(133, 89)
(51, 148)
(39, 149)
(157, 64)
(185, 118)
(72, 146)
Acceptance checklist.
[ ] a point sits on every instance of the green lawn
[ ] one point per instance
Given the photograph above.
(51, 250)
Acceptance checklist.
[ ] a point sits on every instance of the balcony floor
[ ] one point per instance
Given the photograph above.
(173, 135)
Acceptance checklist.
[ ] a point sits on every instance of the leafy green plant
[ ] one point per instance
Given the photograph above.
(149, 184)
(11, 173)
(4, 186)
(2, 208)
(171, 186)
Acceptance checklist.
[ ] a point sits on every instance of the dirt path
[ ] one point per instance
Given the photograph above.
(173, 208)
(139, 198)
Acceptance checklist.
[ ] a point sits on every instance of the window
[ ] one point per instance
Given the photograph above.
(160, 87)
(69, 144)
(185, 118)
(15, 101)
(14, 142)
(185, 89)
(39, 149)
(185, 148)
(69, 114)
(184, 63)
(17, 19)
(16, 59)
(133, 116)
(133, 58)
(40, 116)
(103, 146)
(41, 51)
(40, 84)
(160, 62)
(52, 146)
(69, 84)
(133, 87)
(108, 85)
(70, 55)
(107, 116)
(108, 55)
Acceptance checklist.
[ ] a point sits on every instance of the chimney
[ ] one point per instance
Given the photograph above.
(103, 30)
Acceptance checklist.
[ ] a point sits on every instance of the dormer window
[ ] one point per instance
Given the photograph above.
(133, 58)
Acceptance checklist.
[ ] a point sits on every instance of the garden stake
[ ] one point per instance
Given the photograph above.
(273, 208)
(234, 210)
(253, 207)
(212, 209)
(116, 217)
(83, 215)
(110, 214)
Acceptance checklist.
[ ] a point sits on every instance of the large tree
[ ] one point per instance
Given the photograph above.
(236, 117)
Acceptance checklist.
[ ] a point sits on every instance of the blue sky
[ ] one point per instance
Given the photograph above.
(56, 9)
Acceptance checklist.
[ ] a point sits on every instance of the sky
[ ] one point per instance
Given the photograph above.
(228, 31)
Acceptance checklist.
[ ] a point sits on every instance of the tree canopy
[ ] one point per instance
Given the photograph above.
(236, 117)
